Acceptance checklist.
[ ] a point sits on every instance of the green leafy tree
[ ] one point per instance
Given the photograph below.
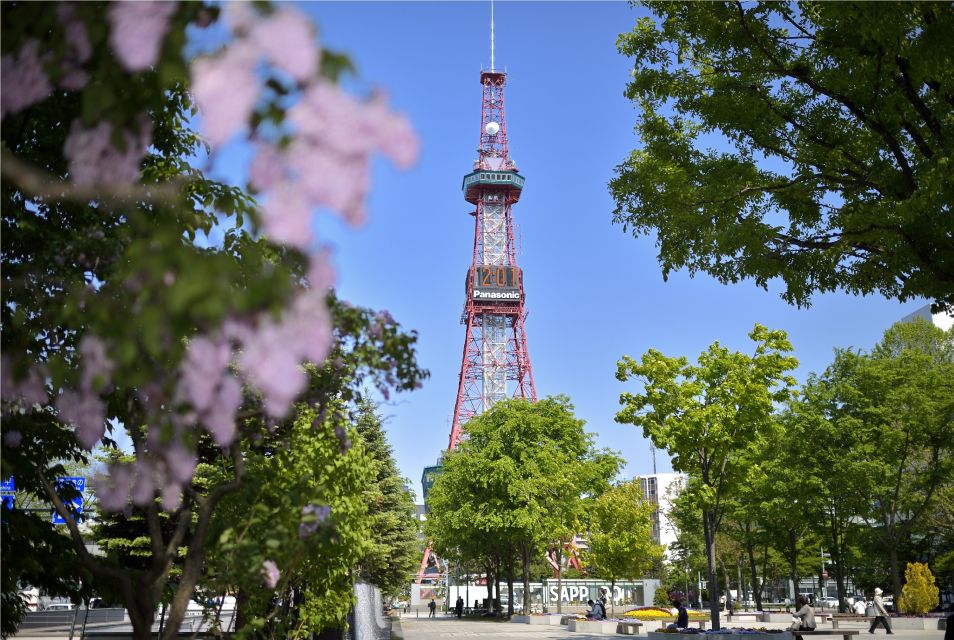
(620, 535)
(839, 128)
(704, 415)
(394, 549)
(138, 295)
(920, 594)
(884, 421)
(507, 484)
(905, 390)
(302, 507)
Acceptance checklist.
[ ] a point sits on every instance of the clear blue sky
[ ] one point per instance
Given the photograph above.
(594, 293)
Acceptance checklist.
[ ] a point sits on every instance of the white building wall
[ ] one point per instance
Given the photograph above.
(661, 489)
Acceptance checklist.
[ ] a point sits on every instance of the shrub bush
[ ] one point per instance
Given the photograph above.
(920, 593)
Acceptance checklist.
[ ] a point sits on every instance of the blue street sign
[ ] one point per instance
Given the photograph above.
(79, 484)
(7, 486)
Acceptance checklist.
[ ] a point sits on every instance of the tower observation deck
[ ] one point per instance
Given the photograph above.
(496, 360)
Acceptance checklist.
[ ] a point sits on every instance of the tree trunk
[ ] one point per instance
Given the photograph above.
(754, 576)
(708, 526)
(728, 586)
(142, 613)
(497, 585)
(510, 587)
(490, 587)
(612, 596)
(559, 556)
(241, 606)
(895, 567)
(793, 563)
(526, 555)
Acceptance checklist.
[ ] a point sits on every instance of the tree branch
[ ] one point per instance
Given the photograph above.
(41, 184)
(844, 100)
(87, 559)
(904, 81)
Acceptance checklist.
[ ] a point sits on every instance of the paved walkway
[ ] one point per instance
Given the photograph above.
(446, 627)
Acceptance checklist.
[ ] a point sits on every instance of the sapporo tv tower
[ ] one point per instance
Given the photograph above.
(495, 341)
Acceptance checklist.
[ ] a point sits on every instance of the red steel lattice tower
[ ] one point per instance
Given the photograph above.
(495, 356)
(495, 341)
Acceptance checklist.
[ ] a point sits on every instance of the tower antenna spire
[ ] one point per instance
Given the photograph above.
(492, 35)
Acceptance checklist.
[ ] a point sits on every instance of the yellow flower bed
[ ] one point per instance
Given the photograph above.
(658, 613)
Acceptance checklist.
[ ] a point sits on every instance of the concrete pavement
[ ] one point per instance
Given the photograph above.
(449, 627)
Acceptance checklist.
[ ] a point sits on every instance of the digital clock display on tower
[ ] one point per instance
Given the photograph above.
(496, 283)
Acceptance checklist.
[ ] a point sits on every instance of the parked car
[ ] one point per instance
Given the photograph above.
(60, 606)
(31, 598)
(830, 602)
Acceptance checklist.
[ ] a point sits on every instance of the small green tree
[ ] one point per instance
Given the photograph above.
(919, 594)
(513, 479)
(393, 553)
(621, 541)
(704, 415)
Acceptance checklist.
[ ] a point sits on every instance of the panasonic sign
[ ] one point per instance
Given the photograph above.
(484, 294)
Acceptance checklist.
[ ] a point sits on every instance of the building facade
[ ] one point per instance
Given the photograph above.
(661, 489)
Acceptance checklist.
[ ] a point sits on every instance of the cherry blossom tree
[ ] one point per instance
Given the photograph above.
(121, 316)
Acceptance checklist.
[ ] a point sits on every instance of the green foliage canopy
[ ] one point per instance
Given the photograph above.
(840, 123)
(620, 534)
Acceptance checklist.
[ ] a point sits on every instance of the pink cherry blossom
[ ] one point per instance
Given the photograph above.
(226, 90)
(137, 30)
(267, 168)
(206, 361)
(239, 15)
(144, 487)
(12, 439)
(270, 574)
(329, 116)
(180, 462)
(314, 516)
(86, 412)
(309, 326)
(93, 158)
(31, 389)
(220, 419)
(23, 81)
(331, 180)
(271, 363)
(114, 487)
(97, 366)
(287, 38)
(287, 217)
(171, 497)
(321, 273)
(78, 48)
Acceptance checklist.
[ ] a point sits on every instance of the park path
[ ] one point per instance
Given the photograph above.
(447, 627)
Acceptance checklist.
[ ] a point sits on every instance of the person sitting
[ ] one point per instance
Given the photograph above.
(597, 611)
(682, 615)
(804, 618)
(860, 607)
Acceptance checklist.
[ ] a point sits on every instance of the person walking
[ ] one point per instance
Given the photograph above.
(804, 618)
(459, 607)
(433, 607)
(881, 614)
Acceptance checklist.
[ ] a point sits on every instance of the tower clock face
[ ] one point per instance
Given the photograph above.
(496, 283)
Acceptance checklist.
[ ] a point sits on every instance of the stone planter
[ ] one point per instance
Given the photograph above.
(780, 635)
(774, 616)
(919, 624)
(547, 618)
(649, 625)
(593, 626)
